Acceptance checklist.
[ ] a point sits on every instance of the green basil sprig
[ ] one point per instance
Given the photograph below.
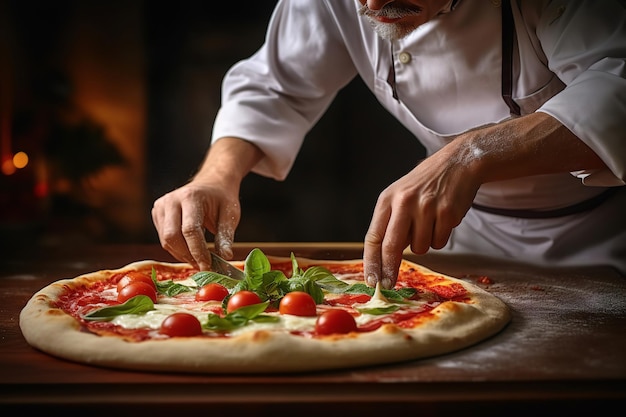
(272, 285)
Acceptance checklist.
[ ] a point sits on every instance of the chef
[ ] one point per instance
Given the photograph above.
(520, 105)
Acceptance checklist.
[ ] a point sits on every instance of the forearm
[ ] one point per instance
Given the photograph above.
(230, 159)
(531, 145)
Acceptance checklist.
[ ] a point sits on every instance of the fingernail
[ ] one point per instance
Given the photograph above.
(387, 283)
(371, 280)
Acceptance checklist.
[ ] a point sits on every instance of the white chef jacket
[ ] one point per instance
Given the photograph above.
(569, 61)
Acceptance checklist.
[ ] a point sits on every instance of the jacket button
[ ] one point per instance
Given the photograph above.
(404, 57)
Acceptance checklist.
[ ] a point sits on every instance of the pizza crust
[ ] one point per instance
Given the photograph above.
(457, 325)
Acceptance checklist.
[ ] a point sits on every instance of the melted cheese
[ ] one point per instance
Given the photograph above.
(153, 319)
(378, 300)
(287, 322)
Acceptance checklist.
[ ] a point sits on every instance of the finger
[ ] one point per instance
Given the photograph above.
(193, 233)
(157, 215)
(423, 226)
(168, 229)
(227, 224)
(395, 240)
(442, 229)
(448, 217)
(372, 246)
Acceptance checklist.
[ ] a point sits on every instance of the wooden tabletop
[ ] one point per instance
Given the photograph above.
(564, 350)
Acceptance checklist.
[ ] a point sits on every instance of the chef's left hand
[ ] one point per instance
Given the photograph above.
(420, 209)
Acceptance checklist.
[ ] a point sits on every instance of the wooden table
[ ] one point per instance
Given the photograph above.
(564, 351)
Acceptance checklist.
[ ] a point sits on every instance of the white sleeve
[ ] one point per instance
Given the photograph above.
(274, 97)
(585, 43)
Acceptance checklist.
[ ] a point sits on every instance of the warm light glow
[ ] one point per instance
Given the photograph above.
(7, 167)
(41, 189)
(20, 160)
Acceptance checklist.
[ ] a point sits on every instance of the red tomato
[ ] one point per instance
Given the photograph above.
(298, 303)
(335, 321)
(181, 325)
(134, 276)
(212, 291)
(241, 299)
(137, 288)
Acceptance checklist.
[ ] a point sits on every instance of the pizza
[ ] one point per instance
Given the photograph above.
(285, 314)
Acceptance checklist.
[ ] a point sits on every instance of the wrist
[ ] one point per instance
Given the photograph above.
(230, 160)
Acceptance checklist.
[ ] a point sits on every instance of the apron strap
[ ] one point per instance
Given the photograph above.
(508, 40)
(391, 77)
(581, 207)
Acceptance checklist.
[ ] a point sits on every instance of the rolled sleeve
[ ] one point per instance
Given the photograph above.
(274, 98)
(586, 47)
(593, 107)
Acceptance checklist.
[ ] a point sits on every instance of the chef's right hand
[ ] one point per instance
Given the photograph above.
(210, 201)
(182, 216)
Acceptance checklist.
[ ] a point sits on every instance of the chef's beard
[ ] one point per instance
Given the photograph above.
(390, 31)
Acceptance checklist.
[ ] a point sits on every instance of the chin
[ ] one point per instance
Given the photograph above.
(391, 31)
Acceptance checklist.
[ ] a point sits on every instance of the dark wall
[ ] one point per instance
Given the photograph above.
(355, 151)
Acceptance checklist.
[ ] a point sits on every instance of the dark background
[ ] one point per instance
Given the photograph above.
(127, 91)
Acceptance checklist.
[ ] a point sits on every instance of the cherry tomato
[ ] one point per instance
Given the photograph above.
(241, 299)
(134, 276)
(181, 325)
(212, 291)
(298, 303)
(335, 321)
(137, 288)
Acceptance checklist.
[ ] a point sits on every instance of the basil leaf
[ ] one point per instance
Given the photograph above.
(376, 311)
(331, 284)
(295, 268)
(318, 273)
(240, 318)
(216, 322)
(392, 295)
(206, 277)
(315, 291)
(306, 285)
(271, 284)
(171, 288)
(251, 311)
(405, 293)
(292, 284)
(256, 264)
(264, 318)
(359, 289)
(136, 305)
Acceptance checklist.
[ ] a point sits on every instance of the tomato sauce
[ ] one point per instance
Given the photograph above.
(438, 285)
(348, 300)
(103, 328)
(405, 319)
(345, 269)
(79, 301)
(284, 267)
